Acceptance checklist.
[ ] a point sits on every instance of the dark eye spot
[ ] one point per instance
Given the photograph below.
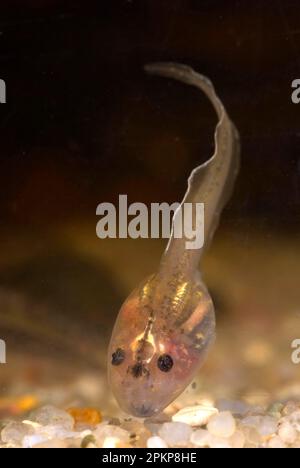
(118, 357)
(165, 362)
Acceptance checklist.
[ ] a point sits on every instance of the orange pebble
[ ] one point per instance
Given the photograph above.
(85, 415)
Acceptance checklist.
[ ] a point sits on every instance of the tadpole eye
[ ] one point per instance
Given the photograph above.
(118, 357)
(165, 362)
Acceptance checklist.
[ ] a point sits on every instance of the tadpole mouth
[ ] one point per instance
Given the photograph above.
(142, 411)
(138, 370)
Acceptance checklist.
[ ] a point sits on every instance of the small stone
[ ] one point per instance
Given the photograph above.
(252, 437)
(222, 425)
(175, 433)
(238, 440)
(195, 415)
(287, 433)
(51, 416)
(152, 427)
(14, 432)
(111, 442)
(275, 410)
(90, 416)
(156, 442)
(276, 443)
(266, 426)
(139, 433)
(294, 419)
(104, 430)
(219, 442)
(54, 443)
(201, 438)
(290, 408)
(31, 441)
(88, 440)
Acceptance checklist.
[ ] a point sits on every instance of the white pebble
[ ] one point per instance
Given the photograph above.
(222, 425)
(265, 425)
(51, 416)
(54, 443)
(276, 443)
(289, 408)
(294, 419)
(287, 433)
(175, 433)
(156, 442)
(14, 432)
(32, 440)
(111, 442)
(219, 442)
(238, 440)
(104, 431)
(195, 415)
(251, 435)
(201, 438)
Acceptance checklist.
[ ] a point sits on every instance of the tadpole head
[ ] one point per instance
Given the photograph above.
(152, 357)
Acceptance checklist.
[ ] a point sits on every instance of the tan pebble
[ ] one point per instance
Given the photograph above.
(238, 440)
(287, 433)
(219, 442)
(276, 443)
(198, 415)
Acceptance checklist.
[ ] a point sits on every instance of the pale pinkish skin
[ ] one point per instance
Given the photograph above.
(186, 341)
(171, 313)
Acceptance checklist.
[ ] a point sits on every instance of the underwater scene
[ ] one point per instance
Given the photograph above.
(149, 226)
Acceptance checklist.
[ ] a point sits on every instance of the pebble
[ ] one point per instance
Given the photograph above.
(156, 442)
(104, 430)
(201, 426)
(89, 416)
(54, 443)
(49, 415)
(238, 440)
(219, 442)
(175, 433)
(275, 410)
(266, 426)
(195, 415)
(111, 442)
(201, 438)
(287, 433)
(290, 407)
(294, 419)
(252, 437)
(222, 425)
(15, 432)
(276, 443)
(33, 440)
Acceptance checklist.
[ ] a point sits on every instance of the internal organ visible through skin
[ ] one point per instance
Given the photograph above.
(165, 328)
